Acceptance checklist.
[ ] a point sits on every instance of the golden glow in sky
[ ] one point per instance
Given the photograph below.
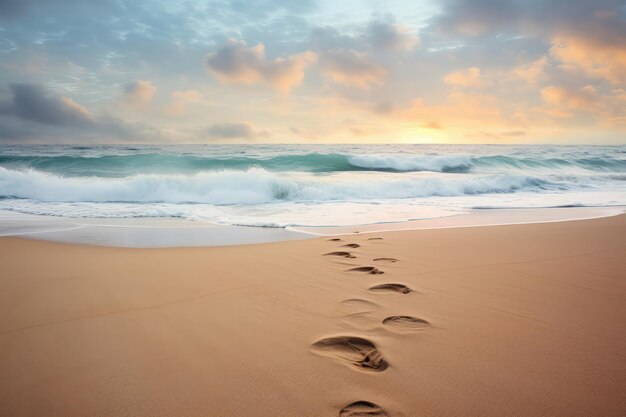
(276, 71)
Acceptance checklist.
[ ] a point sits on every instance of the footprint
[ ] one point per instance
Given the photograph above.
(368, 269)
(375, 238)
(352, 245)
(401, 288)
(406, 323)
(366, 320)
(354, 350)
(386, 259)
(340, 253)
(359, 313)
(335, 240)
(363, 409)
(359, 305)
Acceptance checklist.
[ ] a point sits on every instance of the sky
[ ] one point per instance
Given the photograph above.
(312, 71)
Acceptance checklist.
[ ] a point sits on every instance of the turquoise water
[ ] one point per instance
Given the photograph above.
(306, 185)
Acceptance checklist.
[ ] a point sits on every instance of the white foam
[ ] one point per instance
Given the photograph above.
(253, 186)
(436, 163)
(226, 187)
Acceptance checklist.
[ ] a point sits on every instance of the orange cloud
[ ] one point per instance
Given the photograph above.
(601, 55)
(606, 110)
(469, 77)
(432, 125)
(237, 63)
(532, 72)
(582, 99)
(139, 92)
(73, 107)
(352, 68)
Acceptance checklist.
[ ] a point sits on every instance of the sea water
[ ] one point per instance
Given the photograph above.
(304, 185)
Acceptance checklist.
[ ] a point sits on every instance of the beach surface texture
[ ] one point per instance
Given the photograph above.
(516, 320)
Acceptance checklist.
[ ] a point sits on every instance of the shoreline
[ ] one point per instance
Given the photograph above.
(174, 232)
(490, 321)
(477, 218)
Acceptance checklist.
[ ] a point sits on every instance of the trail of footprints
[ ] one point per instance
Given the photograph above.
(358, 352)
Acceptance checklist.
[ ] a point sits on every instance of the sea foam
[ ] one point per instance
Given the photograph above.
(252, 186)
(435, 163)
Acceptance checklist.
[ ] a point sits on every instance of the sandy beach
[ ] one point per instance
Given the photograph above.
(312, 208)
(518, 320)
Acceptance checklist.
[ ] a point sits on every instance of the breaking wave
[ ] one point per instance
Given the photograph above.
(252, 186)
(164, 163)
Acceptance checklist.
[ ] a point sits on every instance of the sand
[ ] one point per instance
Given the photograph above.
(520, 320)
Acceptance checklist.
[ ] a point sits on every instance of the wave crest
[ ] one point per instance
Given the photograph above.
(170, 163)
(252, 186)
(434, 163)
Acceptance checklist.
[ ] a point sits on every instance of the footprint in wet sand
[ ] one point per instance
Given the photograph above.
(356, 351)
(401, 288)
(367, 269)
(406, 323)
(352, 245)
(334, 240)
(340, 253)
(385, 260)
(363, 409)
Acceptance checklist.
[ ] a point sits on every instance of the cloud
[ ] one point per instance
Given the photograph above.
(581, 99)
(469, 77)
(35, 113)
(477, 17)
(606, 108)
(235, 62)
(139, 92)
(33, 103)
(180, 100)
(390, 35)
(531, 72)
(352, 68)
(12, 8)
(371, 66)
(382, 107)
(588, 36)
(432, 125)
(599, 51)
(378, 34)
(233, 131)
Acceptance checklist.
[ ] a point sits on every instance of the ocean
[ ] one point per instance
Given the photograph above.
(305, 185)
